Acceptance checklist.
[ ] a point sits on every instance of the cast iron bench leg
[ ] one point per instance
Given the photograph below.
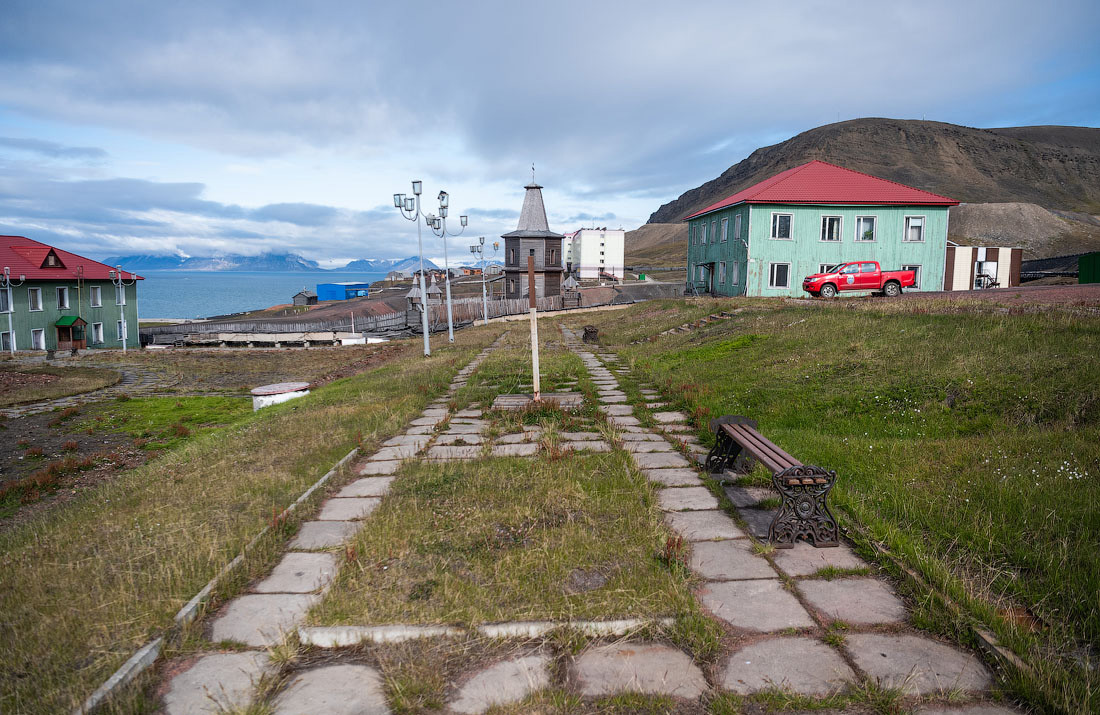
(723, 453)
(804, 511)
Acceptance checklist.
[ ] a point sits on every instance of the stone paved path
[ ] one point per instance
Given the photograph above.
(135, 382)
(777, 606)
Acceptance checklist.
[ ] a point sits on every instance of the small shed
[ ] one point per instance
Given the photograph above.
(305, 297)
(1088, 268)
(342, 291)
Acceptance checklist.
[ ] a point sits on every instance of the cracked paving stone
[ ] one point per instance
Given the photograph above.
(761, 605)
(617, 410)
(803, 665)
(589, 445)
(648, 446)
(448, 452)
(350, 689)
(660, 460)
(377, 468)
(703, 525)
(729, 561)
(215, 683)
(639, 668)
(859, 601)
(504, 683)
(324, 534)
(687, 498)
(299, 572)
(682, 477)
(367, 487)
(445, 439)
(805, 560)
(917, 664)
(347, 509)
(261, 619)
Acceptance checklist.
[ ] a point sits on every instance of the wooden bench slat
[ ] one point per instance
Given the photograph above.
(774, 458)
(782, 455)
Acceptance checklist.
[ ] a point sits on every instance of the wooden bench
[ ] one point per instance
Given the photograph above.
(803, 488)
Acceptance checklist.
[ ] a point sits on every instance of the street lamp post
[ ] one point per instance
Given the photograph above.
(478, 249)
(438, 225)
(6, 285)
(409, 206)
(120, 288)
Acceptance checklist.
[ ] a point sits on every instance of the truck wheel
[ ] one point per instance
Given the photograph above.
(828, 291)
(891, 289)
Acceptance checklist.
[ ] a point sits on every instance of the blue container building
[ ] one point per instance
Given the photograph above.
(342, 291)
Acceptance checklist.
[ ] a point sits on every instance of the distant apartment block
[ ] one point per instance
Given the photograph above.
(593, 253)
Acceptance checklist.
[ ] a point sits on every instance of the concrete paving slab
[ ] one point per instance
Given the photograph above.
(918, 664)
(523, 449)
(334, 690)
(643, 437)
(420, 429)
(743, 497)
(648, 446)
(681, 477)
(426, 421)
(434, 412)
(591, 445)
(803, 665)
(448, 438)
(978, 709)
(677, 428)
(759, 521)
(469, 421)
(453, 452)
(617, 410)
(468, 413)
(655, 405)
(389, 454)
(503, 684)
(638, 668)
(858, 601)
(515, 438)
(348, 509)
(646, 392)
(460, 428)
(729, 561)
(612, 399)
(299, 572)
(261, 619)
(580, 436)
(324, 534)
(376, 468)
(660, 460)
(669, 417)
(805, 560)
(624, 420)
(762, 605)
(407, 440)
(215, 683)
(686, 499)
(631, 428)
(703, 525)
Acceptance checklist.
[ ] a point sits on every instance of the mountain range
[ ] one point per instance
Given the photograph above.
(1035, 187)
(281, 262)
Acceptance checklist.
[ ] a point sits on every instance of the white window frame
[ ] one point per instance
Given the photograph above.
(119, 330)
(724, 231)
(721, 271)
(771, 275)
(737, 227)
(874, 229)
(735, 273)
(97, 333)
(703, 235)
(62, 291)
(839, 230)
(7, 296)
(95, 297)
(5, 341)
(905, 229)
(120, 295)
(917, 269)
(775, 226)
(826, 267)
(37, 293)
(38, 339)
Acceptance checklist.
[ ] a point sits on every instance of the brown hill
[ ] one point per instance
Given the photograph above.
(1055, 168)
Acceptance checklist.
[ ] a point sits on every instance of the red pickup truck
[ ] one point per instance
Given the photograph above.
(858, 275)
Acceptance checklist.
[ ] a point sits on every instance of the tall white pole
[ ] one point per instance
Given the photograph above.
(447, 280)
(534, 327)
(11, 309)
(423, 290)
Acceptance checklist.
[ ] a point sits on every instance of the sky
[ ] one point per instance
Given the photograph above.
(210, 127)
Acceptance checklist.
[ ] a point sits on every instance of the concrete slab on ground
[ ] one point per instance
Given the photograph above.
(640, 668)
(299, 572)
(686, 498)
(744, 497)
(324, 534)
(523, 449)
(670, 417)
(367, 487)
(515, 438)
(642, 437)
(703, 525)
(261, 619)
(407, 440)
(682, 477)
(504, 683)
(758, 520)
(729, 561)
(660, 460)
(334, 690)
(464, 428)
(617, 410)
(348, 509)
(215, 683)
(377, 468)
(451, 438)
(859, 601)
(806, 560)
(624, 420)
(453, 452)
(803, 665)
(918, 664)
(762, 605)
(591, 445)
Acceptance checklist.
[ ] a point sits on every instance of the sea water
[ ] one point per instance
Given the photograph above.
(200, 294)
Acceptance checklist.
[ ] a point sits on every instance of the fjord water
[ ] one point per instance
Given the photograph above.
(200, 294)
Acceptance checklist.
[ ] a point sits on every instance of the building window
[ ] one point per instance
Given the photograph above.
(703, 234)
(722, 270)
(34, 300)
(62, 298)
(97, 333)
(702, 273)
(779, 275)
(914, 229)
(781, 226)
(830, 228)
(95, 297)
(5, 341)
(865, 228)
(38, 339)
(5, 301)
(827, 267)
(725, 229)
(120, 295)
(737, 227)
(735, 275)
(121, 332)
(714, 231)
(916, 274)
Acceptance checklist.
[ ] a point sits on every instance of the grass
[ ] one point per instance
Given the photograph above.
(69, 381)
(965, 441)
(166, 422)
(87, 584)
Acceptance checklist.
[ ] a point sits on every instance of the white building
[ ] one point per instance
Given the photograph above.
(593, 252)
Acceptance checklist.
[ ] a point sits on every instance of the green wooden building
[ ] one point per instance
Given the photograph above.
(56, 300)
(763, 240)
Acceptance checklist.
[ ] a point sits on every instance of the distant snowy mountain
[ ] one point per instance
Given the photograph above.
(281, 262)
(406, 265)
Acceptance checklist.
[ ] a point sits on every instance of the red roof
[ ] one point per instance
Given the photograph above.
(820, 182)
(26, 257)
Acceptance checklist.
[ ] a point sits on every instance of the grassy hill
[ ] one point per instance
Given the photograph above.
(1051, 173)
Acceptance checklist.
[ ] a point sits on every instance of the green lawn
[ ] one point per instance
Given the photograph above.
(969, 443)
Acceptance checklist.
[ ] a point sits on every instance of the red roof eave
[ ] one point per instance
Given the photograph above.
(24, 257)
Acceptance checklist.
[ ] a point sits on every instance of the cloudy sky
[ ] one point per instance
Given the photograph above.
(222, 127)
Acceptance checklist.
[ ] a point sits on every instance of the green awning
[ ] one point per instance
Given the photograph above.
(67, 321)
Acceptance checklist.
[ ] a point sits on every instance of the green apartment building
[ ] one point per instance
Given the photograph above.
(56, 300)
(763, 240)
